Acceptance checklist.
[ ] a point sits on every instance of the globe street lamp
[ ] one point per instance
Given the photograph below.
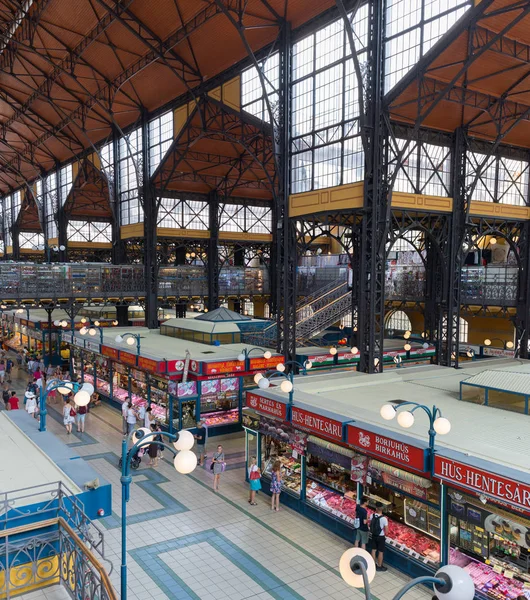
(437, 423)
(82, 393)
(506, 345)
(264, 380)
(357, 568)
(92, 330)
(129, 339)
(245, 353)
(184, 462)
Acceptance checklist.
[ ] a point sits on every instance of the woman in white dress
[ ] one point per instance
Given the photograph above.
(68, 417)
(31, 404)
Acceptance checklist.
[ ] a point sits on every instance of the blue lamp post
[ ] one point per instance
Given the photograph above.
(92, 330)
(245, 354)
(184, 462)
(286, 386)
(437, 423)
(129, 339)
(82, 395)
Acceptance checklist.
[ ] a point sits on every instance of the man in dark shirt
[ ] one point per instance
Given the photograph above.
(361, 513)
(13, 401)
(200, 436)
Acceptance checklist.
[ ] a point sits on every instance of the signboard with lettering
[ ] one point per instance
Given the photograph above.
(147, 364)
(507, 490)
(498, 352)
(387, 448)
(266, 405)
(227, 366)
(264, 364)
(79, 342)
(321, 360)
(319, 424)
(66, 337)
(94, 346)
(128, 358)
(348, 357)
(110, 352)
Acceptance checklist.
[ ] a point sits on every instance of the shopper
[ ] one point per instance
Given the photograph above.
(31, 404)
(13, 402)
(200, 436)
(81, 414)
(254, 476)
(148, 418)
(154, 448)
(276, 485)
(218, 466)
(6, 395)
(68, 415)
(141, 413)
(378, 527)
(361, 516)
(9, 369)
(37, 373)
(124, 409)
(20, 360)
(131, 417)
(2, 370)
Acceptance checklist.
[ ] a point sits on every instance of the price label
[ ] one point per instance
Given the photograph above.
(508, 574)
(477, 550)
(479, 529)
(526, 585)
(425, 560)
(497, 568)
(403, 547)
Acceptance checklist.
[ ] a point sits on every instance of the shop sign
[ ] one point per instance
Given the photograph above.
(483, 482)
(266, 405)
(128, 358)
(210, 387)
(317, 423)
(94, 346)
(498, 352)
(387, 449)
(348, 357)
(79, 342)
(321, 360)
(263, 364)
(395, 480)
(110, 352)
(25, 322)
(228, 366)
(66, 337)
(175, 365)
(148, 364)
(187, 390)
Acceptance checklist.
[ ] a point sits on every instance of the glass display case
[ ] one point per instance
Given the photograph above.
(139, 384)
(159, 398)
(220, 401)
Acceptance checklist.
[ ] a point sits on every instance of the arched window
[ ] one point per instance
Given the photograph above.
(464, 331)
(398, 321)
(267, 311)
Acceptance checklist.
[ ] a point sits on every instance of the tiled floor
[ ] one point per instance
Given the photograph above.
(187, 542)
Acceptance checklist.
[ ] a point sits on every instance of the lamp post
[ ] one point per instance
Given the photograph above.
(184, 462)
(437, 423)
(245, 355)
(81, 398)
(55, 249)
(506, 345)
(129, 340)
(92, 330)
(287, 386)
(357, 568)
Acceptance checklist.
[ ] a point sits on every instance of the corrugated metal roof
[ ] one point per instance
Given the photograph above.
(509, 381)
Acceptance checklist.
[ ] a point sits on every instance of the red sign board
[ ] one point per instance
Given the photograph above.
(228, 366)
(304, 419)
(267, 406)
(148, 364)
(483, 482)
(110, 352)
(386, 448)
(264, 364)
(128, 358)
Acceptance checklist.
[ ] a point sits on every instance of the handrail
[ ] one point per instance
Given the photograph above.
(95, 563)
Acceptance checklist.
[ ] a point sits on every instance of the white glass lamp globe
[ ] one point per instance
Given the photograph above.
(96, 323)
(267, 355)
(83, 320)
(57, 323)
(425, 345)
(376, 362)
(62, 248)
(88, 388)
(442, 426)
(286, 386)
(65, 389)
(241, 357)
(64, 323)
(185, 461)
(509, 345)
(493, 241)
(264, 383)
(333, 351)
(257, 377)
(308, 364)
(280, 367)
(118, 339)
(388, 412)
(487, 342)
(407, 347)
(131, 341)
(405, 419)
(407, 334)
(345, 567)
(354, 350)
(92, 331)
(185, 440)
(83, 330)
(115, 323)
(145, 432)
(461, 586)
(82, 398)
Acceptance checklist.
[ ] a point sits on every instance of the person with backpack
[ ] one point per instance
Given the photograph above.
(378, 527)
(361, 523)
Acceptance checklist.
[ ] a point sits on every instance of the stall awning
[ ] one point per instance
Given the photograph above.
(508, 381)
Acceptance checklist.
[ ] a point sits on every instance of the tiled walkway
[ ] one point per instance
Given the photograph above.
(187, 542)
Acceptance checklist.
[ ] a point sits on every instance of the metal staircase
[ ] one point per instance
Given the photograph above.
(325, 307)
